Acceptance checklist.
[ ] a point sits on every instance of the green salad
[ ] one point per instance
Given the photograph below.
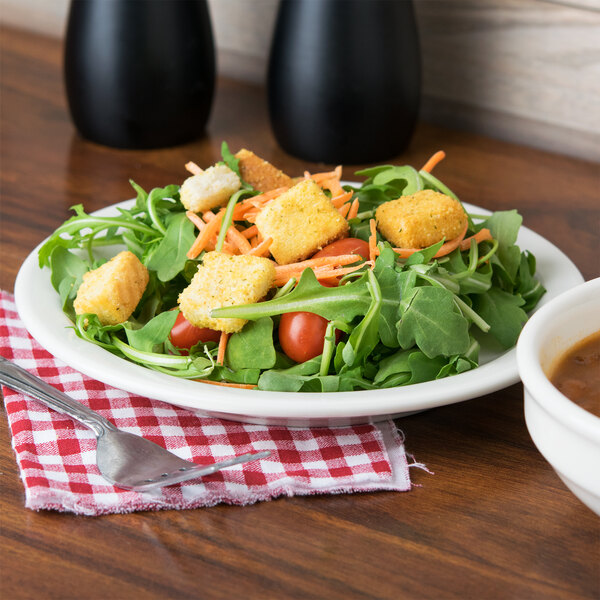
(394, 320)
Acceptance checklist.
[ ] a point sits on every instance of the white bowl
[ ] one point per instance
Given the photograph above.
(567, 435)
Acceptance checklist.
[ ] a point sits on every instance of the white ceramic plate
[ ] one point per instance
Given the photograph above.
(39, 308)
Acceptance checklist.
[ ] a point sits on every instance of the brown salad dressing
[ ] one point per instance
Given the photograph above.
(577, 373)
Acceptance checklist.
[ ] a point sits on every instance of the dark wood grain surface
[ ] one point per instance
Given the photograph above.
(494, 521)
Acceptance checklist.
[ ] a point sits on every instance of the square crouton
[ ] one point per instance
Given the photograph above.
(209, 189)
(421, 219)
(113, 290)
(260, 174)
(225, 280)
(300, 221)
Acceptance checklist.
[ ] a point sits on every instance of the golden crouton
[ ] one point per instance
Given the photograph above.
(209, 189)
(225, 280)
(300, 221)
(420, 220)
(113, 290)
(260, 174)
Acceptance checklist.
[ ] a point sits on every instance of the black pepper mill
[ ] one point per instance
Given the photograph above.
(139, 73)
(344, 79)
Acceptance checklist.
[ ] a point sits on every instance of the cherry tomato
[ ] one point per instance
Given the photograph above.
(302, 335)
(185, 335)
(345, 246)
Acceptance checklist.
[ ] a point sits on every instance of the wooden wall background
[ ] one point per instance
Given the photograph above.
(526, 71)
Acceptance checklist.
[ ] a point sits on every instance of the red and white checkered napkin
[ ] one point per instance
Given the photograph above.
(57, 458)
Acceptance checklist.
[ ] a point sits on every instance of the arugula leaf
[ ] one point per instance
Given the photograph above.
(504, 226)
(503, 312)
(67, 271)
(142, 195)
(530, 289)
(230, 160)
(252, 347)
(170, 255)
(390, 283)
(431, 321)
(154, 332)
(364, 336)
(342, 303)
(280, 381)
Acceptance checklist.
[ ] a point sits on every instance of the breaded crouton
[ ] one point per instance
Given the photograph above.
(260, 174)
(209, 189)
(300, 221)
(113, 290)
(420, 220)
(225, 280)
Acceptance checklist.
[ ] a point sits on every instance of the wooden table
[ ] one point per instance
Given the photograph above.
(493, 522)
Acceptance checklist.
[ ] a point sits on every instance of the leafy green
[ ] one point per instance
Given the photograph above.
(404, 321)
(154, 332)
(169, 256)
(253, 347)
(504, 313)
(433, 323)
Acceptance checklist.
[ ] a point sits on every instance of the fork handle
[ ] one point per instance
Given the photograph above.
(23, 381)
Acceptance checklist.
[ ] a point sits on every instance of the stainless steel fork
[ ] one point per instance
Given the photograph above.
(125, 460)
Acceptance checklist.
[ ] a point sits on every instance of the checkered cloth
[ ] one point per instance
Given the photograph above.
(57, 458)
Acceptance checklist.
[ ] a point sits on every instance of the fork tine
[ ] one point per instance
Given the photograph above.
(193, 472)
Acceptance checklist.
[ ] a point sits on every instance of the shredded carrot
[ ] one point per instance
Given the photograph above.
(433, 161)
(353, 209)
(320, 274)
(261, 249)
(262, 199)
(196, 220)
(344, 210)
(254, 241)
(445, 249)
(372, 240)
(250, 232)
(480, 236)
(244, 386)
(222, 347)
(323, 261)
(340, 200)
(333, 185)
(193, 168)
(205, 235)
(228, 248)
(234, 237)
(320, 177)
(238, 240)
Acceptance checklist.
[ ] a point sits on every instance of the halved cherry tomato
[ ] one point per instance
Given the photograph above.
(185, 335)
(302, 335)
(345, 246)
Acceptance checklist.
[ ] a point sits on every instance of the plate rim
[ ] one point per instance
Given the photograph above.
(239, 404)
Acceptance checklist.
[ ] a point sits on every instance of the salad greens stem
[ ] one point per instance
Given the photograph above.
(152, 212)
(328, 348)
(131, 242)
(285, 289)
(89, 221)
(151, 358)
(473, 262)
(469, 313)
(226, 222)
(489, 255)
(435, 182)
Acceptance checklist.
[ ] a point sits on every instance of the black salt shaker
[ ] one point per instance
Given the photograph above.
(344, 79)
(139, 73)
